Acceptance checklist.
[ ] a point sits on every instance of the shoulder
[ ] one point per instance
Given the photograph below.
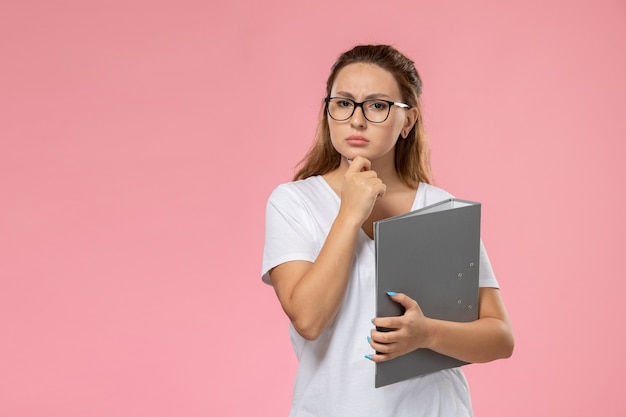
(305, 186)
(306, 193)
(297, 189)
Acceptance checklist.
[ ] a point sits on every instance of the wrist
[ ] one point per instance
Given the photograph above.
(431, 332)
(348, 220)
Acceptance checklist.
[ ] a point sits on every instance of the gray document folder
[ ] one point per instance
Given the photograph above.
(432, 255)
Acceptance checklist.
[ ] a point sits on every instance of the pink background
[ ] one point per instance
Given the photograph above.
(139, 141)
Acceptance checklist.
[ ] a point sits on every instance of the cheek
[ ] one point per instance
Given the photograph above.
(334, 131)
(398, 125)
(393, 132)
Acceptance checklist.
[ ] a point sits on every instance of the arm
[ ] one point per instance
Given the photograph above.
(486, 339)
(311, 293)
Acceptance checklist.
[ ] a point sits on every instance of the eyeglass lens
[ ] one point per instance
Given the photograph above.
(375, 111)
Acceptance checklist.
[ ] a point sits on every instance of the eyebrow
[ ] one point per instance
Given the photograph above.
(368, 97)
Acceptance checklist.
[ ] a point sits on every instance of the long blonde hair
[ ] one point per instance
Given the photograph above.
(412, 155)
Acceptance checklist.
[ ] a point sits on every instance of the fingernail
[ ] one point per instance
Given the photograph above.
(368, 357)
(369, 339)
(373, 320)
(391, 294)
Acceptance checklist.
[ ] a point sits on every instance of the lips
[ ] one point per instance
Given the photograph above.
(356, 140)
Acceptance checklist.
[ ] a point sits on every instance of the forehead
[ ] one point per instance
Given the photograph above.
(362, 79)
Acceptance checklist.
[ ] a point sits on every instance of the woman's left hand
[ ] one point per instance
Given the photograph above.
(483, 340)
(408, 332)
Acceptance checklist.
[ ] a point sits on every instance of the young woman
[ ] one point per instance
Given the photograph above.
(369, 162)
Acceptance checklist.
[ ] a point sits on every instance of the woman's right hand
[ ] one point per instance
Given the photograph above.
(311, 293)
(361, 187)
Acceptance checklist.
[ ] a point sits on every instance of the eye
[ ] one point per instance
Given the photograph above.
(378, 105)
(343, 103)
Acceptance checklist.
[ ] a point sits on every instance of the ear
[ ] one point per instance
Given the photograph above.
(411, 118)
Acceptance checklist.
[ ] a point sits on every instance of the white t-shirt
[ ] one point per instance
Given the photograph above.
(334, 379)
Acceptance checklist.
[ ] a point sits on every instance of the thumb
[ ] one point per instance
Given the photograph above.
(403, 299)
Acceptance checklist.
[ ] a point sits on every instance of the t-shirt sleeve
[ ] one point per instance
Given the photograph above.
(486, 276)
(288, 232)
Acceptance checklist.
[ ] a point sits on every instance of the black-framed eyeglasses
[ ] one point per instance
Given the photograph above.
(375, 110)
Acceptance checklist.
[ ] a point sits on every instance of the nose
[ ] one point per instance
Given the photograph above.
(358, 117)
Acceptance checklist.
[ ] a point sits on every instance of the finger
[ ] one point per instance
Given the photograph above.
(371, 179)
(382, 190)
(385, 349)
(384, 324)
(393, 322)
(381, 357)
(378, 347)
(368, 175)
(359, 164)
(379, 338)
(403, 299)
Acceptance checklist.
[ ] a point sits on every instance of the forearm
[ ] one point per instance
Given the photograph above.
(317, 296)
(483, 340)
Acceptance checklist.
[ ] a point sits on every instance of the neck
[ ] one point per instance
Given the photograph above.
(387, 173)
